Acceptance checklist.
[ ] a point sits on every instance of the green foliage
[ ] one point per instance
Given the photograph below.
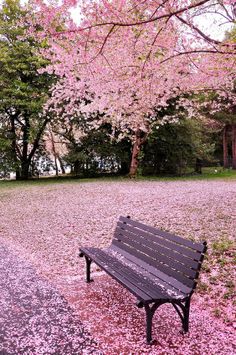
(173, 147)
(23, 90)
(21, 87)
(98, 152)
(231, 35)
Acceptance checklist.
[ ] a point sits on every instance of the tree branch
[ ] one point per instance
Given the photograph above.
(196, 51)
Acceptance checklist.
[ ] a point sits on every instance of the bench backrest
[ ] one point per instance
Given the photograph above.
(176, 257)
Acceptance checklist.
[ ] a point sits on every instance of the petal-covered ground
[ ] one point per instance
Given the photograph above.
(44, 226)
(34, 317)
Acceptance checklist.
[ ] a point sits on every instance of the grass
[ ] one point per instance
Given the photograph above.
(207, 174)
(222, 246)
(54, 180)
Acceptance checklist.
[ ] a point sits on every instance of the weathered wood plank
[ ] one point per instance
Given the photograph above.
(189, 256)
(148, 251)
(165, 269)
(132, 274)
(166, 281)
(182, 241)
(141, 288)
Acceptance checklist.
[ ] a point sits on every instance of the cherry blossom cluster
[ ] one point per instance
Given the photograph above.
(126, 57)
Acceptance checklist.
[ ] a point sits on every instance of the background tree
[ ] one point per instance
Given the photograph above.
(219, 108)
(165, 54)
(93, 151)
(23, 91)
(178, 148)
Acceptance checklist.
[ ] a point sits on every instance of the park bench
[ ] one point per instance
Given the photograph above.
(155, 266)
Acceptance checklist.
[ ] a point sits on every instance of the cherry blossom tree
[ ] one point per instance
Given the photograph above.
(127, 57)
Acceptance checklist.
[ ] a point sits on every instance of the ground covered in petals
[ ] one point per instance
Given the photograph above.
(35, 317)
(41, 230)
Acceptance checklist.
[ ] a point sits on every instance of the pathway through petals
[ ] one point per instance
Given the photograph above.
(34, 317)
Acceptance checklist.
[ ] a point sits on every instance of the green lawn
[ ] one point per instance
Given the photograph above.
(207, 174)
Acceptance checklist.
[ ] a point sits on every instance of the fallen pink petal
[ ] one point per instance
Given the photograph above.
(48, 308)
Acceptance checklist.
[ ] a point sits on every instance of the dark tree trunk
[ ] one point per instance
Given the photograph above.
(198, 166)
(234, 146)
(76, 169)
(225, 147)
(27, 156)
(14, 145)
(18, 173)
(61, 165)
(25, 161)
(56, 167)
(25, 165)
(21, 157)
(140, 138)
(54, 151)
(124, 168)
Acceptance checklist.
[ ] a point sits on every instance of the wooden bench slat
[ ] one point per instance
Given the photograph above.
(188, 243)
(186, 271)
(135, 276)
(188, 256)
(165, 269)
(173, 256)
(120, 278)
(168, 282)
(128, 278)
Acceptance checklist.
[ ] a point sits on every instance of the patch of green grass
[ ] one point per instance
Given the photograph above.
(6, 184)
(229, 284)
(213, 280)
(206, 265)
(203, 287)
(229, 295)
(208, 174)
(222, 261)
(222, 246)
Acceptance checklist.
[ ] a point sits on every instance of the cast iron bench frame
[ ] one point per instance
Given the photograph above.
(157, 267)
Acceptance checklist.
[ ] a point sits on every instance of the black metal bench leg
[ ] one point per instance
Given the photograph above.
(150, 311)
(186, 316)
(88, 270)
(149, 316)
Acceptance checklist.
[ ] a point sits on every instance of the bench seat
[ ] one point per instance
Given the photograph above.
(155, 266)
(147, 286)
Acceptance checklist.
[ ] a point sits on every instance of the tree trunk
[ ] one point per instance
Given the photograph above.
(225, 147)
(140, 138)
(24, 175)
(54, 151)
(234, 146)
(124, 168)
(14, 146)
(61, 165)
(56, 167)
(198, 166)
(25, 162)
(76, 168)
